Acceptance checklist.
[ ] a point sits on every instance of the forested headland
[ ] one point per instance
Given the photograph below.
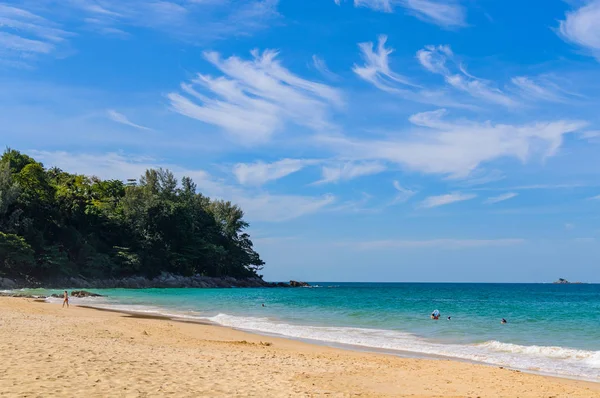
(54, 224)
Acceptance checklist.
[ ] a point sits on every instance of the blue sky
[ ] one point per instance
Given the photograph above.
(367, 140)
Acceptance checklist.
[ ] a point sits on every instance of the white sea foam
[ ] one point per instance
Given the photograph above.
(560, 361)
(549, 360)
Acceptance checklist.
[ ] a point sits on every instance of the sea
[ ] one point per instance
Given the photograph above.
(551, 329)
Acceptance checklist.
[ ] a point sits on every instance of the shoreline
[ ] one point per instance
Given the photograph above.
(104, 350)
(341, 346)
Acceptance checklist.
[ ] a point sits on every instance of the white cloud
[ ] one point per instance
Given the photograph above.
(592, 135)
(581, 27)
(349, 170)
(437, 243)
(441, 60)
(481, 177)
(259, 173)
(259, 206)
(277, 208)
(441, 200)
(24, 36)
(403, 194)
(256, 98)
(378, 5)
(191, 21)
(356, 205)
(446, 13)
(540, 89)
(595, 197)
(320, 65)
(501, 198)
(456, 148)
(376, 69)
(120, 118)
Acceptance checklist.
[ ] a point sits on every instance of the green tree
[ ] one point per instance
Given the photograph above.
(59, 224)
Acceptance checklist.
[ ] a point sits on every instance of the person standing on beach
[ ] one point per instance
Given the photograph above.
(66, 299)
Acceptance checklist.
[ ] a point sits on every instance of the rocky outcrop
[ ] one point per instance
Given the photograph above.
(7, 284)
(83, 293)
(164, 280)
(298, 284)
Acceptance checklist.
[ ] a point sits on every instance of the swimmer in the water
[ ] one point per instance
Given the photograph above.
(449, 317)
(503, 320)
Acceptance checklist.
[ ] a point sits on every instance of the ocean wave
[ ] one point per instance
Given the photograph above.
(590, 357)
(558, 361)
(77, 300)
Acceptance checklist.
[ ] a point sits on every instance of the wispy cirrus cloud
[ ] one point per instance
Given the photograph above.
(441, 200)
(24, 36)
(581, 27)
(441, 60)
(541, 88)
(320, 65)
(191, 21)
(255, 98)
(403, 194)
(456, 148)
(500, 198)
(592, 135)
(258, 205)
(432, 243)
(259, 173)
(446, 13)
(376, 69)
(120, 118)
(349, 170)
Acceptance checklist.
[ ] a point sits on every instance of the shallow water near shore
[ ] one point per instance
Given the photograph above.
(551, 329)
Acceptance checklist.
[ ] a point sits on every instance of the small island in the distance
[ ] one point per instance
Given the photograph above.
(562, 281)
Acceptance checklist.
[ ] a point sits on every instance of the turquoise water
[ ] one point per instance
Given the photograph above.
(553, 329)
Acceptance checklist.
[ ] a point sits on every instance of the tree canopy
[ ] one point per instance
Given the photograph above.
(57, 224)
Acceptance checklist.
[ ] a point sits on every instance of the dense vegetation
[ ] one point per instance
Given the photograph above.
(55, 224)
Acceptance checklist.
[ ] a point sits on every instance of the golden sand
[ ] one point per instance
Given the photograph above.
(79, 352)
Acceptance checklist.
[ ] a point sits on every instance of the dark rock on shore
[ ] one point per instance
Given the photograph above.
(7, 284)
(164, 280)
(83, 293)
(298, 284)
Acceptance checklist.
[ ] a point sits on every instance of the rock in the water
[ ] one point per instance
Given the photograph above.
(298, 284)
(83, 293)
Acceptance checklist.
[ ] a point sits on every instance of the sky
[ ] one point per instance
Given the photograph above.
(366, 140)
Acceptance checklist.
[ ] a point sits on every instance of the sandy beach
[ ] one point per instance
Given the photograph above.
(51, 351)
